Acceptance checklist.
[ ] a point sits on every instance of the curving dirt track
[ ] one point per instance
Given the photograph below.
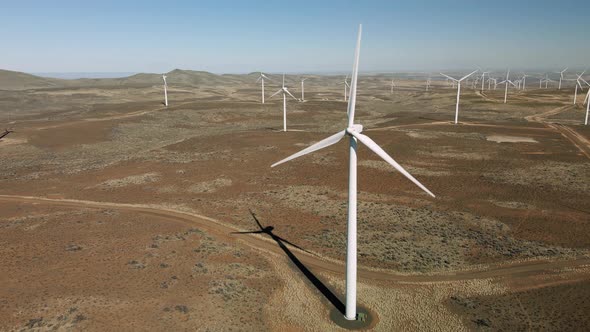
(520, 270)
(581, 142)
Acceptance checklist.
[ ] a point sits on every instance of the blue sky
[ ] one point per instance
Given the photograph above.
(294, 36)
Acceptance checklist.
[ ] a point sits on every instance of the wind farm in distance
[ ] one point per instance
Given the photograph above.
(447, 199)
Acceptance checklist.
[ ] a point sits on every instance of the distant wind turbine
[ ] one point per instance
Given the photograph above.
(303, 88)
(285, 92)
(483, 79)
(561, 76)
(578, 84)
(165, 91)
(346, 87)
(261, 79)
(507, 81)
(353, 131)
(392, 86)
(458, 91)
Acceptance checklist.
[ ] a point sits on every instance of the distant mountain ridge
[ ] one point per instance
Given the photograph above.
(13, 80)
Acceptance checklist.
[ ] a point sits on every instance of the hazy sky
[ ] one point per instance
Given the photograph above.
(294, 36)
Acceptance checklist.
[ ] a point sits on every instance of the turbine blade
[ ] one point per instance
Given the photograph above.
(268, 78)
(366, 140)
(449, 77)
(274, 94)
(355, 73)
(464, 77)
(317, 146)
(291, 94)
(259, 78)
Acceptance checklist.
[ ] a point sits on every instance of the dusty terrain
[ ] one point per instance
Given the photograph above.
(117, 213)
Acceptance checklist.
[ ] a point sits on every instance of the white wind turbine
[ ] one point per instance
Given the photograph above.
(303, 88)
(165, 91)
(587, 101)
(392, 86)
(261, 79)
(353, 131)
(578, 84)
(507, 81)
(483, 75)
(428, 82)
(458, 91)
(547, 80)
(285, 92)
(561, 76)
(346, 87)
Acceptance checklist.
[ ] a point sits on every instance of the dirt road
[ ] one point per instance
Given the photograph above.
(522, 270)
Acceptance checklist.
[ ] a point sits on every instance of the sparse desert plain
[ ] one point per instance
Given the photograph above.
(118, 213)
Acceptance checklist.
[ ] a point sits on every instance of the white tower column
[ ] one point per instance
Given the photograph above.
(506, 93)
(457, 107)
(351, 235)
(165, 95)
(587, 111)
(284, 111)
(262, 90)
(302, 91)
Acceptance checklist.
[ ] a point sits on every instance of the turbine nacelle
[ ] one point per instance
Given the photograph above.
(354, 129)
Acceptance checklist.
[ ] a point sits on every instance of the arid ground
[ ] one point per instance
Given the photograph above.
(118, 213)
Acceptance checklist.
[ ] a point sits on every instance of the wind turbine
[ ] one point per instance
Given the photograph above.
(285, 92)
(483, 79)
(428, 82)
(578, 84)
(303, 88)
(392, 86)
(165, 91)
(346, 87)
(507, 81)
(458, 91)
(561, 76)
(261, 79)
(353, 131)
(546, 80)
(587, 101)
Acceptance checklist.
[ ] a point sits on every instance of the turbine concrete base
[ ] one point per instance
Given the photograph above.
(365, 319)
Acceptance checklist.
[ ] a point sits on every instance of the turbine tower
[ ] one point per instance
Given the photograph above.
(561, 76)
(392, 86)
(353, 131)
(507, 81)
(458, 91)
(261, 79)
(285, 92)
(578, 84)
(346, 87)
(483, 75)
(303, 88)
(587, 101)
(165, 91)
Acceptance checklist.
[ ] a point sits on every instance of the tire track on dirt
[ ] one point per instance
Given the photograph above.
(519, 270)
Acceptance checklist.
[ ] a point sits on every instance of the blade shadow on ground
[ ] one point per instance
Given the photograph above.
(317, 283)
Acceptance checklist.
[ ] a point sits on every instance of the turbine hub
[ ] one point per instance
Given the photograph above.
(357, 128)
